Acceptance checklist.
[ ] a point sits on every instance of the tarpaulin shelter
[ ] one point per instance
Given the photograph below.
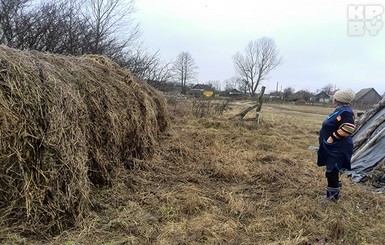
(368, 161)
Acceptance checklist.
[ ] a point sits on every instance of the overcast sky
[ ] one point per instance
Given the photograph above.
(312, 36)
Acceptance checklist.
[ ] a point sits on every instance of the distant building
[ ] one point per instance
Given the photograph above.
(201, 90)
(301, 95)
(275, 95)
(366, 98)
(235, 93)
(322, 97)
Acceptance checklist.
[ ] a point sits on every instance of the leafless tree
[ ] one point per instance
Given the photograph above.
(288, 92)
(77, 33)
(69, 26)
(214, 84)
(79, 27)
(235, 83)
(303, 95)
(260, 58)
(45, 28)
(11, 12)
(328, 88)
(147, 65)
(52, 26)
(184, 69)
(230, 83)
(243, 86)
(108, 19)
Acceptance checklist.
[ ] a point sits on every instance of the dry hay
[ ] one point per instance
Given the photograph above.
(215, 181)
(66, 124)
(238, 183)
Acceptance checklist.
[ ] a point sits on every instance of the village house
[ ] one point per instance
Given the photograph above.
(235, 93)
(322, 97)
(277, 95)
(366, 98)
(201, 90)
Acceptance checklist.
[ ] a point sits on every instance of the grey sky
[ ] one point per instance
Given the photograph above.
(312, 37)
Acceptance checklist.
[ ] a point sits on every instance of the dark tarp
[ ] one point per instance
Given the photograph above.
(372, 152)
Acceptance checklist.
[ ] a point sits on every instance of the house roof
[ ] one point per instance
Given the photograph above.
(323, 95)
(204, 87)
(235, 91)
(275, 93)
(363, 92)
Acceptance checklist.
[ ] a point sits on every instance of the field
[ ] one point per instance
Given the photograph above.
(219, 181)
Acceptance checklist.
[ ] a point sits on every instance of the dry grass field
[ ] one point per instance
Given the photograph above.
(217, 181)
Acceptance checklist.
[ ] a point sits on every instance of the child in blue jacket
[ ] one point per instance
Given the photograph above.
(335, 141)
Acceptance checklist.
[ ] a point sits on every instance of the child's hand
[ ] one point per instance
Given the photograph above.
(330, 140)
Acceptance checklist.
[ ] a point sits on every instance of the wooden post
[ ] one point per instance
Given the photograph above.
(259, 105)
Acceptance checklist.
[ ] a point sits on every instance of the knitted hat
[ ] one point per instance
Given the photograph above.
(344, 96)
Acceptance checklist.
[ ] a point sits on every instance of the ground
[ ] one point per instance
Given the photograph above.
(217, 181)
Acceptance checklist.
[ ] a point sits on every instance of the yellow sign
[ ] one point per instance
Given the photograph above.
(208, 93)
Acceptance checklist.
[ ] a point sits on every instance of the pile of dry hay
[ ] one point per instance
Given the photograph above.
(66, 123)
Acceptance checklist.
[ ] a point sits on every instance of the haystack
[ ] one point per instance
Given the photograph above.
(66, 123)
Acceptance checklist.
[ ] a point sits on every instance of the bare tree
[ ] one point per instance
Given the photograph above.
(184, 69)
(107, 19)
(69, 26)
(11, 12)
(260, 58)
(47, 28)
(288, 92)
(79, 27)
(328, 88)
(214, 84)
(147, 65)
(230, 83)
(76, 28)
(302, 95)
(55, 26)
(243, 86)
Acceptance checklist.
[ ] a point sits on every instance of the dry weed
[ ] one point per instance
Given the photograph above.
(215, 181)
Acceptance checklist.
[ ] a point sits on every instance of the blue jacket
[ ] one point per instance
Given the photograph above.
(337, 154)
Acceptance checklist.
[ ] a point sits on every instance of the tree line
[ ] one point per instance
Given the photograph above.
(77, 27)
(106, 27)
